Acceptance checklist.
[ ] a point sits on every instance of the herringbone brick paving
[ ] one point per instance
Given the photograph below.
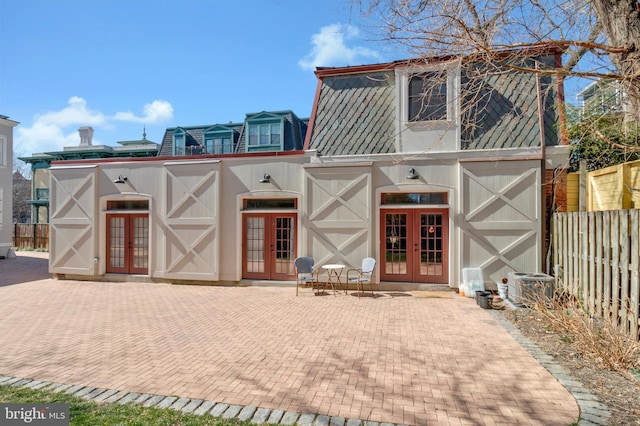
(393, 358)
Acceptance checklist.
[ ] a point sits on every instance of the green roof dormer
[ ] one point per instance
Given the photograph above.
(218, 139)
(265, 132)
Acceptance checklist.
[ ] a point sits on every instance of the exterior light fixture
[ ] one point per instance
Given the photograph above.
(265, 179)
(413, 174)
(121, 179)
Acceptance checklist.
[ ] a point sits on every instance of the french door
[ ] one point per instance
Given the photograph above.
(128, 243)
(414, 245)
(268, 246)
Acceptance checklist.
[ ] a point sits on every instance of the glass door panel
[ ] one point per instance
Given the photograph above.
(128, 243)
(269, 246)
(254, 251)
(415, 245)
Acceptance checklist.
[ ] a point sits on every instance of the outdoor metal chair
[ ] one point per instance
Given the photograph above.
(363, 275)
(306, 274)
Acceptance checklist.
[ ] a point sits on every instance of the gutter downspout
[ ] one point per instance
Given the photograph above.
(545, 223)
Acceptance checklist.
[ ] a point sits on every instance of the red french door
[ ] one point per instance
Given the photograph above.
(128, 243)
(414, 245)
(268, 246)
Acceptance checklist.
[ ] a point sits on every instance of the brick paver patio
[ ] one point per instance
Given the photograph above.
(393, 358)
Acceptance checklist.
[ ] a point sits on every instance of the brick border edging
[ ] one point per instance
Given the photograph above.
(592, 412)
(255, 415)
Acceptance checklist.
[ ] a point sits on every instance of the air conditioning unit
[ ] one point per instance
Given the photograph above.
(526, 287)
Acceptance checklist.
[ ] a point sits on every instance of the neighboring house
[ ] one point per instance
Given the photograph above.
(40, 163)
(6, 183)
(21, 193)
(602, 97)
(266, 131)
(427, 185)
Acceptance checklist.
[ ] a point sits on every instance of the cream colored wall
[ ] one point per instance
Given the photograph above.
(434, 176)
(240, 177)
(428, 137)
(195, 210)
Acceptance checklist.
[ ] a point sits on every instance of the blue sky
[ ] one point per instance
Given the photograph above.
(121, 65)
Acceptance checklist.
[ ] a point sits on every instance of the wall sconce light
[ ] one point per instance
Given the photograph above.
(413, 174)
(121, 179)
(265, 179)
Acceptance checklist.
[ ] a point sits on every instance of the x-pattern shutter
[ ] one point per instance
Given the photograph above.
(501, 217)
(191, 221)
(338, 210)
(72, 233)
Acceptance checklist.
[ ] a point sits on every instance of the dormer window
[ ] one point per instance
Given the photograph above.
(179, 141)
(264, 133)
(218, 140)
(428, 96)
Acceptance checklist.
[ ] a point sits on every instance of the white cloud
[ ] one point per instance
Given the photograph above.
(52, 131)
(330, 48)
(76, 112)
(155, 112)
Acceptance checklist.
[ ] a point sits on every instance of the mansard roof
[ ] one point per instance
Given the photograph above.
(355, 107)
(294, 132)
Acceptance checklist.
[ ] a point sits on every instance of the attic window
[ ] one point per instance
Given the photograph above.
(428, 96)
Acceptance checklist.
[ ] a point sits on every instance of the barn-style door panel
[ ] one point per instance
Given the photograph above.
(338, 206)
(190, 221)
(72, 213)
(501, 223)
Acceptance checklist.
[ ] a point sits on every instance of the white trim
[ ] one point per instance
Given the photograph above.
(179, 163)
(87, 166)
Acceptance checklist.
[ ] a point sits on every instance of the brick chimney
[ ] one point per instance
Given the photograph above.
(86, 134)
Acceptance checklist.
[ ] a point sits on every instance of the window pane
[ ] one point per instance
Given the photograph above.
(415, 198)
(275, 134)
(253, 135)
(428, 97)
(264, 134)
(128, 205)
(276, 203)
(179, 144)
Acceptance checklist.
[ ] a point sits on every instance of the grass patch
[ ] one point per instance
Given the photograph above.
(82, 412)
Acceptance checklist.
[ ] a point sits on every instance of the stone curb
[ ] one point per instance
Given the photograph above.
(252, 414)
(592, 412)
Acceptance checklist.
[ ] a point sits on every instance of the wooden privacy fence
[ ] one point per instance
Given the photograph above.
(612, 188)
(599, 253)
(31, 236)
